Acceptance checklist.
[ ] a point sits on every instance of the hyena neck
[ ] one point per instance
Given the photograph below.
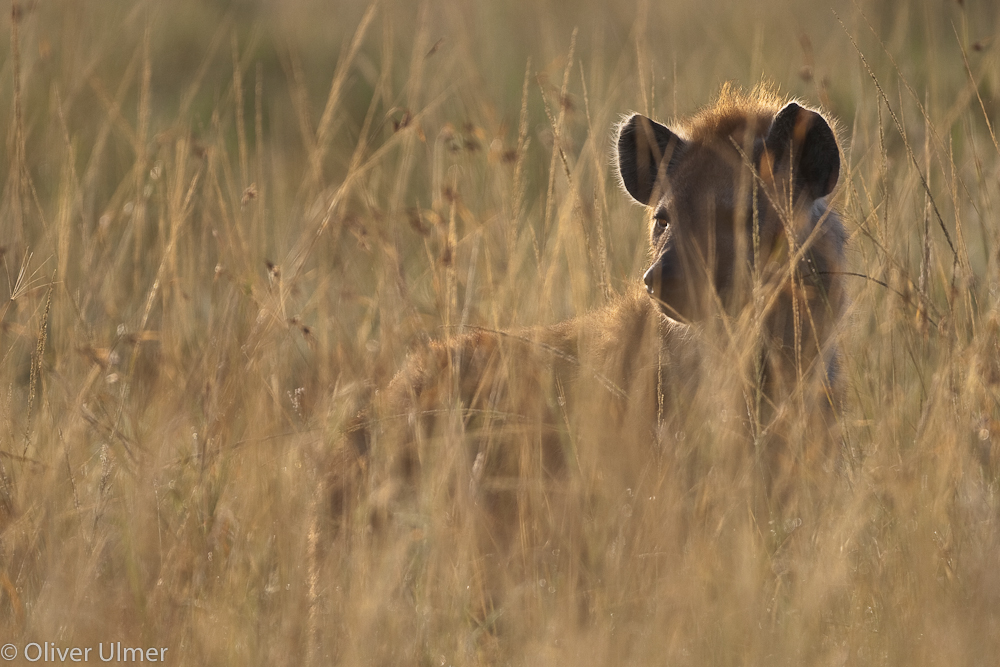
(799, 350)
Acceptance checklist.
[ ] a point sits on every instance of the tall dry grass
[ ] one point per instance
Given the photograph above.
(222, 225)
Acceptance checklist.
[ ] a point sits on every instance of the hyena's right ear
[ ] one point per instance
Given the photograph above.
(645, 151)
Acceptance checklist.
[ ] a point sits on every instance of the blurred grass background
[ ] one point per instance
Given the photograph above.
(223, 221)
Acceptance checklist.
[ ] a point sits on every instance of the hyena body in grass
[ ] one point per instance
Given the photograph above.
(740, 302)
(743, 241)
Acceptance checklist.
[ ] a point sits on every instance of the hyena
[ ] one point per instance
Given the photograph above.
(741, 240)
(741, 230)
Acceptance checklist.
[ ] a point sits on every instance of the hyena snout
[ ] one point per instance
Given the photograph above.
(685, 289)
(666, 284)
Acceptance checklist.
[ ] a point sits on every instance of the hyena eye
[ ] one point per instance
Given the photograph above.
(662, 218)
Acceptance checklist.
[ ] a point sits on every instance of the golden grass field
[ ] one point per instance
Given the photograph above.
(224, 223)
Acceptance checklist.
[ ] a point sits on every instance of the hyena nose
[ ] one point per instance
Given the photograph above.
(652, 277)
(664, 280)
(659, 276)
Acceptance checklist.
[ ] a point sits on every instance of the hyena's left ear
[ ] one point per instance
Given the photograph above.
(802, 139)
(645, 151)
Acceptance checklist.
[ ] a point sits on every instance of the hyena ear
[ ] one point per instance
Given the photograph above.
(807, 137)
(645, 151)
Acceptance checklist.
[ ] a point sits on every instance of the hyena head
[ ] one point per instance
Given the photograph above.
(733, 193)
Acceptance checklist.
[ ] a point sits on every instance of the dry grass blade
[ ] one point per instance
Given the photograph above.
(344, 64)
(972, 81)
(909, 150)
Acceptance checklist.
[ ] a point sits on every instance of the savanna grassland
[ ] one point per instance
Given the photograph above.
(223, 224)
